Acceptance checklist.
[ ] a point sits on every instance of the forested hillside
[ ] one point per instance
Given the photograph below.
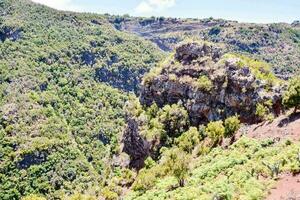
(61, 117)
(115, 107)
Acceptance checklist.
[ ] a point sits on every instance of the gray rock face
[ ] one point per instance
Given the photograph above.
(191, 51)
(134, 145)
(230, 89)
(10, 33)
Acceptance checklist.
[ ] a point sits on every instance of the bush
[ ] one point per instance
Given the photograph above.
(188, 140)
(261, 111)
(149, 163)
(81, 197)
(175, 119)
(108, 194)
(232, 125)
(176, 163)
(33, 197)
(214, 30)
(291, 97)
(215, 131)
(145, 180)
(204, 83)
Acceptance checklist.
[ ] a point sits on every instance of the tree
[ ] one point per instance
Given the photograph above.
(175, 119)
(291, 98)
(176, 163)
(188, 140)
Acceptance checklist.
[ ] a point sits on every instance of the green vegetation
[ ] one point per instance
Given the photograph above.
(233, 173)
(60, 124)
(260, 69)
(291, 98)
(64, 80)
(176, 163)
(204, 83)
(232, 125)
(175, 119)
(33, 197)
(215, 131)
(261, 111)
(188, 140)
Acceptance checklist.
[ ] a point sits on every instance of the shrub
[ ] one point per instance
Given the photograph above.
(108, 194)
(145, 180)
(154, 130)
(175, 119)
(176, 163)
(215, 131)
(291, 97)
(204, 83)
(152, 111)
(33, 197)
(78, 196)
(149, 163)
(261, 111)
(188, 140)
(232, 125)
(214, 30)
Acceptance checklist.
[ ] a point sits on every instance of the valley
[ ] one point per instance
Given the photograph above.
(106, 107)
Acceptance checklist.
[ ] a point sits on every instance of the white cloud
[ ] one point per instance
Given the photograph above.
(58, 4)
(144, 7)
(149, 6)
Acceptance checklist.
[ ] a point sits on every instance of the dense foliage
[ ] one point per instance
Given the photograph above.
(59, 124)
(64, 80)
(292, 96)
(240, 172)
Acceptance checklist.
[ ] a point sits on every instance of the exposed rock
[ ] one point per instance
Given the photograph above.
(192, 51)
(35, 158)
(10, 33)
(262, 41)
(232, 88)
(134, 145)
(88, 58)
(97, 22)
(296, 23)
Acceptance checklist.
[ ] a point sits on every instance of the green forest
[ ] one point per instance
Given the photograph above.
(90, 111)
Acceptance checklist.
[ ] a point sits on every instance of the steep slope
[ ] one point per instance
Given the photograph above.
(277, 44)
(60, 117)
(182, 135)
(243, 171)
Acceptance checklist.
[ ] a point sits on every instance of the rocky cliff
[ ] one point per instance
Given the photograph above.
(212, 85)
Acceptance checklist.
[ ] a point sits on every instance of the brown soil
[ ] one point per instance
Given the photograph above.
(287, 188)
(283, 127)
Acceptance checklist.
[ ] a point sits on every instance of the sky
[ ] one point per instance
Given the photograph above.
(258, 11)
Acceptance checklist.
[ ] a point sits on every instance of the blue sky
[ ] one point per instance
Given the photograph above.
(259, 11)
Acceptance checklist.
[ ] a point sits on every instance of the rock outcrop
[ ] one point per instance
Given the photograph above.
(10, 33)
(212, 86)
(134, 145)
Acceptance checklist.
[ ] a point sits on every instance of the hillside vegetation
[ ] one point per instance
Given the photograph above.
(89, 110)
(277, 44)
(60, 117)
